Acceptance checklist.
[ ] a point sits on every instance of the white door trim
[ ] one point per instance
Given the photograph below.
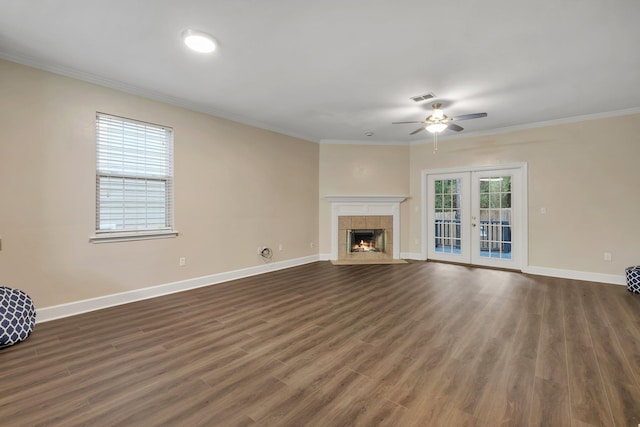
(523, 245)
(465, 208)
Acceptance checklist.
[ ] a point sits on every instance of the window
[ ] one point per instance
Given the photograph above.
(134, 179)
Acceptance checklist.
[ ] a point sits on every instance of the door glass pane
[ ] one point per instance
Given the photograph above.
(495, 217)
(447, 233)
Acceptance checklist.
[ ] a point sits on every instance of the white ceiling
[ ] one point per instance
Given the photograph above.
(336, 69)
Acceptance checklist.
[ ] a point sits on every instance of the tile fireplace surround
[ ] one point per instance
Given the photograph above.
(370, 222)
(355, 211)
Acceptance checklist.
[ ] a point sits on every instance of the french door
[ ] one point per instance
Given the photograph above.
(475, 217)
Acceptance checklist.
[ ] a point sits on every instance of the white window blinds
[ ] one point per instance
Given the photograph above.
(134, 176)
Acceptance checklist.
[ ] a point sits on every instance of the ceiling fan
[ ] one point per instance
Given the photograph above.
(437, 121)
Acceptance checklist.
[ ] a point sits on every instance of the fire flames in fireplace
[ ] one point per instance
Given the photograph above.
(366, 240)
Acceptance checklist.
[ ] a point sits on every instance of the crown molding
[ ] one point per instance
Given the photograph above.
(367, 199)
(145, 93)
(547, 123)
(361, 142)
(183, 103)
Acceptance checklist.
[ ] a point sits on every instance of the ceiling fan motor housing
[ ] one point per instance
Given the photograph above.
(437, 121)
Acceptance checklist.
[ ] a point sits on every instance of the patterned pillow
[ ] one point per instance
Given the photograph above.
(633, 279)
(17, 316)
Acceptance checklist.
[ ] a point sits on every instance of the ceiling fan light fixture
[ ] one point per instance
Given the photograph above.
(436, 127)
(438, 114)
(199, 41)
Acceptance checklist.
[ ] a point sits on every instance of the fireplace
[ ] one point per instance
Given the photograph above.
(365, 227)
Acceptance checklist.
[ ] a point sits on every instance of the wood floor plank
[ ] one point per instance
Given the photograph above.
(501, 394)
(315, 408)
(625, 403)
(629, 340)
(589, 402)
(276, 409)
(518, 397)
(417, 344)
(552, 352)
(550, 406)
(576, 326)
(425, 374)
(624, 330)
(71, 387)
(611, 360)
(351, 387)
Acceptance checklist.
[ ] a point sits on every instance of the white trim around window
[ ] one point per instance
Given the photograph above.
(134, 180)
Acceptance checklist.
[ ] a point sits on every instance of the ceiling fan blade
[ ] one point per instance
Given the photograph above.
(420, 129)
(469, 116)
(455, 127)
(402, 123)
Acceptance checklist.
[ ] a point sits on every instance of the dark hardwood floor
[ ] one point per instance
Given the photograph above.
(419, 344)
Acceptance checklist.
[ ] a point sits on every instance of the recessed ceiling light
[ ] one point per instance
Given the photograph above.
(199, 41)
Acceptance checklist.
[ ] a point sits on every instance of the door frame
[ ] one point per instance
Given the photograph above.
(523, 244)
(465, 208)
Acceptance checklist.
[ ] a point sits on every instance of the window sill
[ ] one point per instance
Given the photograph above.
(130, 236)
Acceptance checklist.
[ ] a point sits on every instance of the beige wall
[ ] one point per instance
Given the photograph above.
(236, 188)
(587, 176)
(362, 170)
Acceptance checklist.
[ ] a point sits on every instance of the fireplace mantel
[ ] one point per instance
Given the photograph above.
(365, 205)
(366, 199)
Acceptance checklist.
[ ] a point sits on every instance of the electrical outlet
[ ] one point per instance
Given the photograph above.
(311, 245)
(607, 256)
(280, 247)
(182, 261)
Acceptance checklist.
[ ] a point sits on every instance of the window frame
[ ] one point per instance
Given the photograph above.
(167, 177)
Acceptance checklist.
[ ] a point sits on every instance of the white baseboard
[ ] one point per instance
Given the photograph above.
(554, 272)
(614, 279)
(78, 307)
(588, 276)
(413, 255)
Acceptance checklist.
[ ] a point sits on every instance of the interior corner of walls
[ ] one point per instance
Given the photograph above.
(413, 256)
